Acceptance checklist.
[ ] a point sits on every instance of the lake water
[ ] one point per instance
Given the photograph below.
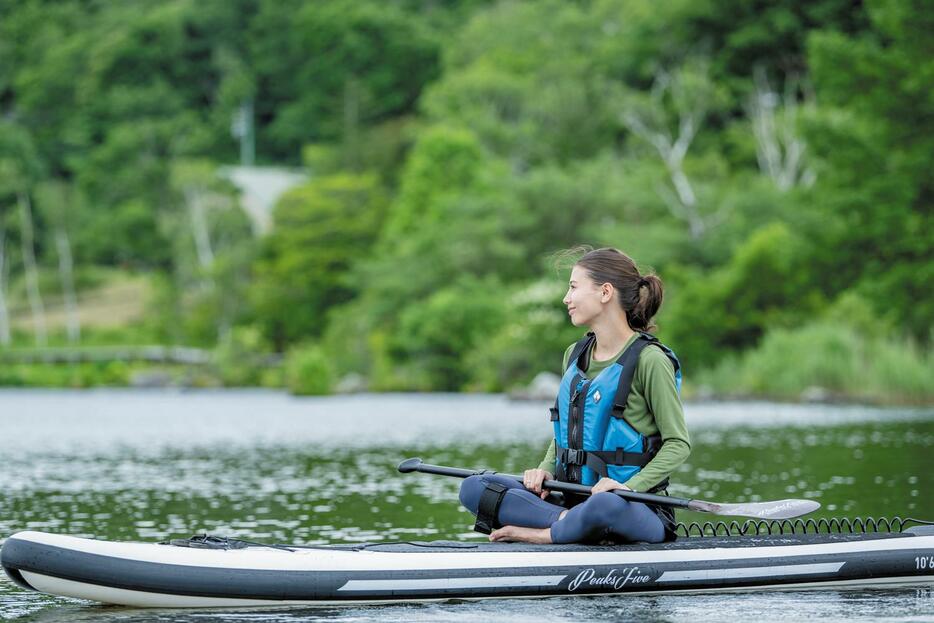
(152, 465)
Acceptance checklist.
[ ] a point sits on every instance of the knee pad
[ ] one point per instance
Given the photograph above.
(491, 498)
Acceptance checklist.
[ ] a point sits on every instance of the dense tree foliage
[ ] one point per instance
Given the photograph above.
(322, 229)
(770, 160)
(876, 138)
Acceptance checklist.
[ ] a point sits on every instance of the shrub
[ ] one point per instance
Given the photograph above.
(308, 371)
(238, 357)
(845, 352)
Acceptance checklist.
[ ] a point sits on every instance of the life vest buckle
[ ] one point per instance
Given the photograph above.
(571, 456)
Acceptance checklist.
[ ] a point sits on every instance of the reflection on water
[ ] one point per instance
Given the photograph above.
(785, 606)
(791, 606)
(263, 466)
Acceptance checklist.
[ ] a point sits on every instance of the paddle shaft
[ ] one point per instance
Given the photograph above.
(552, 485)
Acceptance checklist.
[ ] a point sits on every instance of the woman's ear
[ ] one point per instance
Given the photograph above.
(606, 292)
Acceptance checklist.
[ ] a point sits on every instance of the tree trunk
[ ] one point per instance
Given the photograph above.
(4, 315)
(351, 123)
(66, 273)
(32, 273)
(199, 228)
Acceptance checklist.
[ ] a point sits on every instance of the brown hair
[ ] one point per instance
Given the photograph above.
(639, 295)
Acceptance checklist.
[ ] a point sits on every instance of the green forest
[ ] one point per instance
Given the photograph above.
(770, 160)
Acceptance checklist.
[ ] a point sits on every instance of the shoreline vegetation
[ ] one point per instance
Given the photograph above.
(818, 363)
(846, 355)
(118, 375)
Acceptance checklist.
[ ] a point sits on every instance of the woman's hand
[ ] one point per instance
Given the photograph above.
(607, 484)
(532, 479)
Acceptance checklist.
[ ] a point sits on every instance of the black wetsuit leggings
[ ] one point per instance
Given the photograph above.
(601, 516)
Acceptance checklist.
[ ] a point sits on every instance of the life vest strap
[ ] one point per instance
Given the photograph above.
(580, 354)
(488, 508)
(599, 460)
(629, 361)
(639, 459)
(561, 472)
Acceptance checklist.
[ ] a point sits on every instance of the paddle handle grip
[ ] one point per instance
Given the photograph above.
(416, 465)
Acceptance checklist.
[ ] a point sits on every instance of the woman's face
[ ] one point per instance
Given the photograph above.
(585, 299)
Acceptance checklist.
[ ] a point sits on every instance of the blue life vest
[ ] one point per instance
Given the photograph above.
(592, 438)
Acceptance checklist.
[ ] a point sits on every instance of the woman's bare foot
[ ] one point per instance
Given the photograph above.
(524, 535)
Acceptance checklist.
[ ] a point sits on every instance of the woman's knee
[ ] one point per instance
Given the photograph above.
(471, 490)
(629, 520)
(605, 508)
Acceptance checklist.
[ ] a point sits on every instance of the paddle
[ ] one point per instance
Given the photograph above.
(779, 509)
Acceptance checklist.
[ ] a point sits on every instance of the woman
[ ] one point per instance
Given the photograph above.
(618, 421)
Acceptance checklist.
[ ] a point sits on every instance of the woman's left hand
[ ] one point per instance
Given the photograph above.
(608, 484)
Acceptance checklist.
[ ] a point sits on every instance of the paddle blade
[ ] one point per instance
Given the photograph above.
(779, 509)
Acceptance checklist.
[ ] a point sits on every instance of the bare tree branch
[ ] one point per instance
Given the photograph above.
(691, 108)
(780, 150)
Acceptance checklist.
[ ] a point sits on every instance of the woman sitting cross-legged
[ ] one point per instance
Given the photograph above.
(617, 419)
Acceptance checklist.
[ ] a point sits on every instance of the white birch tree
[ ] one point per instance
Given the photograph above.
(205, 198)
(5, 337)
(197, 203)
(20, 167)
(55, 198)
(780, 148)
(30, 270)
(668, 118)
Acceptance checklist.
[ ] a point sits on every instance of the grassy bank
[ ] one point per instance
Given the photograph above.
(819, 362)
(827, 360)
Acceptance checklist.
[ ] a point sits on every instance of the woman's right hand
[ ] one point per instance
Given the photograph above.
(532, 479)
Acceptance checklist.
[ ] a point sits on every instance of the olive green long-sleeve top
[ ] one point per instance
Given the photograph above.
(652, 408)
